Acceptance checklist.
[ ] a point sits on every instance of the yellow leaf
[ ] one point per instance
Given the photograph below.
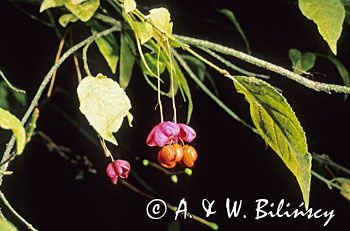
(104, 104)
(160, 17)
(9, 121)
(85, 10)
(328, 15)
(129, 5)
(6, 225)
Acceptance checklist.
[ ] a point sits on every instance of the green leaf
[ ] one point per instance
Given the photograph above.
(231, 16)
(6, 225)
(3, 95)
(343, 72)
(308, 61)
(200, 70)
(127, 59)
(279, 127)
(329, 17)
(301, 62)
(160, 17)
(108, 46)
(129, 5)
(9, 121)
(152, 64)
(142, 32)
(85, 10)
(104, 104)
(183, 85)
(65, 19)
(10, 99)
(198, 65)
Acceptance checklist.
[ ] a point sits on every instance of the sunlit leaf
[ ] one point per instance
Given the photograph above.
(85, 10)
(6, 225)
(160, 17)
(231, 16)
(279, 127)
(108, 46)
(10, 122)
(127, 59)
(47, 4)
(104, 104)
(65, 19)
(142, 32)
(329, 17)
(129, 5)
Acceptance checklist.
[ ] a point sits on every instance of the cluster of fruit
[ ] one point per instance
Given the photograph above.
(167, 136)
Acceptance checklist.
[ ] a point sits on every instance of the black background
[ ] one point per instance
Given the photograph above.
(233, 162)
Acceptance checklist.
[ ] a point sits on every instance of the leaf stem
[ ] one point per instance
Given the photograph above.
(8, 205)
(10, 85)
(172, 81)
(317, 86)
(58, 54)
(31, 15)
(158, 87)
(325, 159)
(85, 60)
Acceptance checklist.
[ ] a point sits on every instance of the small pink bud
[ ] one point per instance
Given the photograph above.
(118, 168)
(187, 133)
(163, 134)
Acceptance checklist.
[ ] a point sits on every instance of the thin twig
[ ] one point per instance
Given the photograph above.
(77, 68)
(31, 15)
(85, 59)
(75, 59)
(53, 23)
(317, 86)
(58, 55)
(329, 183)
(325, 159)
(160, 168)
(8, 205)
(66, 153)
(10, 85)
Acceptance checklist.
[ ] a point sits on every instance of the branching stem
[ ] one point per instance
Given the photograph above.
(317, 86)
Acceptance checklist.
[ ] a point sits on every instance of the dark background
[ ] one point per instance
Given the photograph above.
(233, 162)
